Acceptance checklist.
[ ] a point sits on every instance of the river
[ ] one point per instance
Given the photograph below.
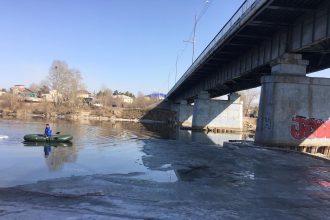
(97, 148)
(189, 174)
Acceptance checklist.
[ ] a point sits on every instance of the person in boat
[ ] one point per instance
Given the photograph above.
(48, 131)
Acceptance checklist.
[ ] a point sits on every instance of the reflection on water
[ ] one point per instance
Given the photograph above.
(56, 154)
(56, 157)
(206, 138)
(47, 150)
(97, 148)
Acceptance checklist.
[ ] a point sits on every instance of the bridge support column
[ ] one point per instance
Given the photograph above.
(294, 110)
(223, 114)
(185, 113)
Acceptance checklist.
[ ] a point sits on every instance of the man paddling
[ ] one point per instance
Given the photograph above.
(48, 131)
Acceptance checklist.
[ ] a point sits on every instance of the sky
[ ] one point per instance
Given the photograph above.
(125, 45)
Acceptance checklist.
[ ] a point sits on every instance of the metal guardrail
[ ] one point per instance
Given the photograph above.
(234, 21)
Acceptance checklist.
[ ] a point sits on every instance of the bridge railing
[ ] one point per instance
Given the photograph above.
(234, 22)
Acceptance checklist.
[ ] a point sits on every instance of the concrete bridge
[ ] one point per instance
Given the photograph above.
(273, 43)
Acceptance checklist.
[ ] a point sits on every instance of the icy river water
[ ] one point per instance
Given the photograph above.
(153, 172)
(97, 148)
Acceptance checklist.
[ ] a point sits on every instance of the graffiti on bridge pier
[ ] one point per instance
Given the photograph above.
(303, 127)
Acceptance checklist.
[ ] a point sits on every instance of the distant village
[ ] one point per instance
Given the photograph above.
(63, 94)
(44, 94)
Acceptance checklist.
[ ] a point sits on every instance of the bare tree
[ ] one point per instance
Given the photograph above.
(250, 99)
(76, 85)
(9, 101)
(141, 101)
(34, 87)
(67, 82)
(105, 96)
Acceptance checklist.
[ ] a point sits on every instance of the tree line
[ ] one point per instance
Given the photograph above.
(67, 82)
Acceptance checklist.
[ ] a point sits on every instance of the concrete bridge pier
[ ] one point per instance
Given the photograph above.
(223, 114)
(294, 110)
(185, 114)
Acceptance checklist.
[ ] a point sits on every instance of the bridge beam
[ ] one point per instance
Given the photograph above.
(293, 109)
(223, 114)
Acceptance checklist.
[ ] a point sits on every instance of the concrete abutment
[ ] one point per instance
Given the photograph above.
(213, 113)
(185, 113)
(208, 113)
(294, 110)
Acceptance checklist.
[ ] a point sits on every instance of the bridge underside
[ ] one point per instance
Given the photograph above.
(275, 28)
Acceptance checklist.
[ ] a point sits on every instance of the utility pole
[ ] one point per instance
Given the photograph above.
(176, 67)
(168, 82)
(193, 40)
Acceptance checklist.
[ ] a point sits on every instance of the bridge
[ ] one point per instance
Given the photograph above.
(273, 43)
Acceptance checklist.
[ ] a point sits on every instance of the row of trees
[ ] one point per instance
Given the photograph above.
(68, 82)
(127, 93)
(107, 98)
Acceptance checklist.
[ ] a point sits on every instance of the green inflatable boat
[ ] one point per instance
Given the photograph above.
(43, 144)
(42, 138)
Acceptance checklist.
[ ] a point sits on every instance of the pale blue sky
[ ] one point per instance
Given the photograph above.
(122, 44)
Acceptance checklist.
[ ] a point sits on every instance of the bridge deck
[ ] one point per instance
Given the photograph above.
(260, 31)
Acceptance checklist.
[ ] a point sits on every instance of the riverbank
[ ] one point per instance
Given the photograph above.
(156, 113)
(146, 115)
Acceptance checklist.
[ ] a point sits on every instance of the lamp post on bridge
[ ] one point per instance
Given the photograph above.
(193, 40)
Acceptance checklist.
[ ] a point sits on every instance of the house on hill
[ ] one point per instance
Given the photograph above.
(124, 98)
(51, 96)
(2, 92)
(25, 93)
(17, 89)
(85, 96)
(156, 95)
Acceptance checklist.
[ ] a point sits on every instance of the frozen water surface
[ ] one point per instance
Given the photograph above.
(131, 171)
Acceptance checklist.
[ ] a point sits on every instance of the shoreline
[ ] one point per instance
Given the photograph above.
(92, 118)
(159, 116)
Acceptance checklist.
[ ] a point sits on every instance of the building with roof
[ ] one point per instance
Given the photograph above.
(157, 95)
(124, 98)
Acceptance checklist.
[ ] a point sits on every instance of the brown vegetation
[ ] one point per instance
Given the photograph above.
(250, 100)
(63, 94)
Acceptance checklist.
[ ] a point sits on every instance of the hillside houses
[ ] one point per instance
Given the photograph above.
(51, 96)
(82, 98)
(85, 96)
(2, 92)
(25, 94)
(156, 95)
(124, 98)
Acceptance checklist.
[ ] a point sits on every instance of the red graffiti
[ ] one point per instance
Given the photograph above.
(324, 183)
(302, 127)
